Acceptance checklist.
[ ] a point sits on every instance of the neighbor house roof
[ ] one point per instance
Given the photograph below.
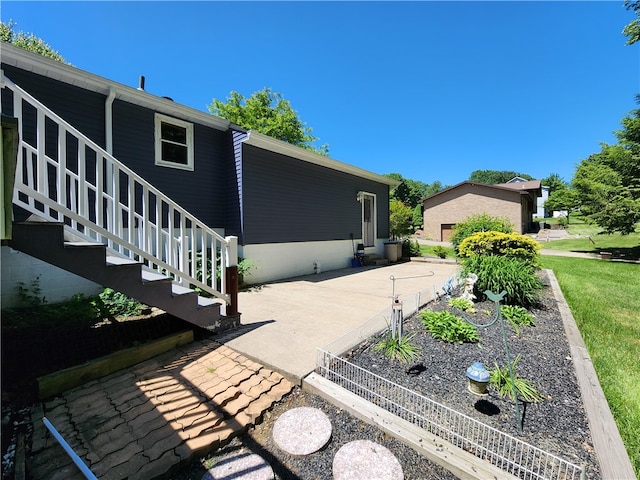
(25, 60)
(484, 185)
(525, 185)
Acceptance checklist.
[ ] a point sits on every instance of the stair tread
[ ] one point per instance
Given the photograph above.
(111, 260)
(207, 302)
(149, 276)
(180, 290)
(83, 244)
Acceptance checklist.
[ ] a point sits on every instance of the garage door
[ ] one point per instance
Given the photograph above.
(446, 230)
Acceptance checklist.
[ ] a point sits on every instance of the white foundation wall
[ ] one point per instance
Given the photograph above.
(277, 261)
(55, 284)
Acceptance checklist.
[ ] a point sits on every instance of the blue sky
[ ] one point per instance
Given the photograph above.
(431, 90)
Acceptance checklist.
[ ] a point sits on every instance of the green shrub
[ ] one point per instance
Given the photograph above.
(77, 311)
(479, 223)
(118, 304)
(446, 326)
(500, 380)
(513, 245)
(410, 249)
(403, 350)
(440, 251)
(517, 316)
(497, 273)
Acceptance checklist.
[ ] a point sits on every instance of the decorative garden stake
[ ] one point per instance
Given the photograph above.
(496, 298)
(478, 378)
(396, 319)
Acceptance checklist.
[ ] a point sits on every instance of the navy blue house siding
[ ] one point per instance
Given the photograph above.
(288, 200)
(81, 108)
(201, 191)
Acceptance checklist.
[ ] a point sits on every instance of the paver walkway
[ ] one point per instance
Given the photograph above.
(148, 420)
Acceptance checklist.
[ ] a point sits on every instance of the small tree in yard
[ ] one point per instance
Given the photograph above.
(400, 219)
(564, 199)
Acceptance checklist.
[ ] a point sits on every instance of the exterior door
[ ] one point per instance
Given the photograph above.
(368, 220)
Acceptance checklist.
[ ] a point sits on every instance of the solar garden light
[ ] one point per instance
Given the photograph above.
(478, 378)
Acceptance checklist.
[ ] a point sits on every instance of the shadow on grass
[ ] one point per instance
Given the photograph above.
(630, 254)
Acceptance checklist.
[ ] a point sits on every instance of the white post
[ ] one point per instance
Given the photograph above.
(231, 252)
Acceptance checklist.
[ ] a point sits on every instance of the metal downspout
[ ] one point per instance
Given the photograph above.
(108, 120)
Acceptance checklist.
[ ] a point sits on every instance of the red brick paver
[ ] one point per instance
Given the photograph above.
(147, 420)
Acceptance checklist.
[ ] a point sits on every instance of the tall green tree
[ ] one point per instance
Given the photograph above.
(492, 177)
(269, 113)
(632, 29)
(608, 196)
(554, 182)
(28, 41)
(411, 192)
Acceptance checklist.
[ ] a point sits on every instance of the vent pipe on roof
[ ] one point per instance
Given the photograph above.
(141, 84)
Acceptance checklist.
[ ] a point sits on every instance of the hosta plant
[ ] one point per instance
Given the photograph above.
(446, 326)
(517, 316)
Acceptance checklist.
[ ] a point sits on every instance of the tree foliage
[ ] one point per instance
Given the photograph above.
(269, 113)
(492, 177)
(608, 182)
(411, 192)
(28, 41)
(400, 219)
(632, 29)
(563, 199)
(554, 182)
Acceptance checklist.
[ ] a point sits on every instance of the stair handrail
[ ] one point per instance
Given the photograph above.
(100, 199)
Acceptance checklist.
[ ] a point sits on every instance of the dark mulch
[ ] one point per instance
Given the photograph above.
(558, 424)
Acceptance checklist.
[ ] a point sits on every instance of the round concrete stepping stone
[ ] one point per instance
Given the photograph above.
(302, 430)
(366, 460)
(241, 466)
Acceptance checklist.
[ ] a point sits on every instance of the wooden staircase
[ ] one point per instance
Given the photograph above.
(46, 241)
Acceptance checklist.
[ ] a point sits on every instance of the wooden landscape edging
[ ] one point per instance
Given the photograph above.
(58, 382)
(607, 443)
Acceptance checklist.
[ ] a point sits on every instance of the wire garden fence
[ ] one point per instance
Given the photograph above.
(500, 449)
(514, 456)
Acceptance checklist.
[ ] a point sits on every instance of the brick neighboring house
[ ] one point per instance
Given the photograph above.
(516, 201)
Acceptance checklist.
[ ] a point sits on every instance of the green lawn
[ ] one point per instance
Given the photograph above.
(604, 298)
(591, 240)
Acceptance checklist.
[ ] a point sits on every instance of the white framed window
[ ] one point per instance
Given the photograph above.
(174, 142)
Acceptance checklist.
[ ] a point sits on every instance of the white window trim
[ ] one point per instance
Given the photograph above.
(159, 118)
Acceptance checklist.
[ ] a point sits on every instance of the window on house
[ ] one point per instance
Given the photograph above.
(174, 142)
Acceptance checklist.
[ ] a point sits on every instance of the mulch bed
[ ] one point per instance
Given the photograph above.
(557, 424)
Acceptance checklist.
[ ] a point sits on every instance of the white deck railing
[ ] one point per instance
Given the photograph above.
(63, 176)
